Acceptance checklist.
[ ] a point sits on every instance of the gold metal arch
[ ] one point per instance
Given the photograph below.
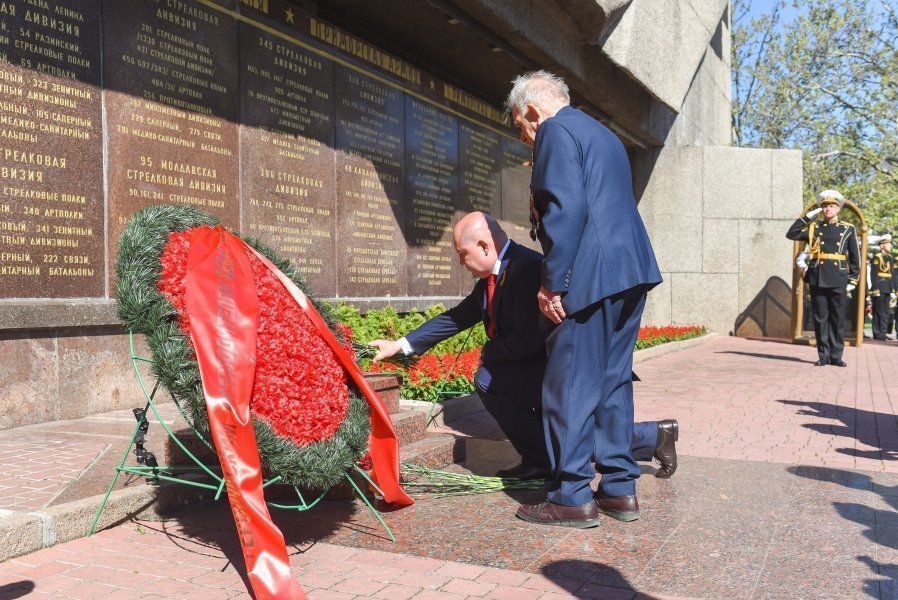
(800, 336)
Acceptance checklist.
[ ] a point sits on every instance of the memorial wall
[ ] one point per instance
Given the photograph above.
(349, 161)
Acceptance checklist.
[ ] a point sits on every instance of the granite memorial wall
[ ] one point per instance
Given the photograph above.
(349, 161)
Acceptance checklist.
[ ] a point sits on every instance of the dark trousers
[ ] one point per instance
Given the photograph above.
(645, 440)
(511, 394)
(829, 313)
(892, 319)
(520, 417)
(882, 314)
(588, 399)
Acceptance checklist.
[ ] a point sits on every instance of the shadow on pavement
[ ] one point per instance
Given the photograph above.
(880, 525)
(851, 418)
(17, 589)
(212, 531)
(569, 574)
(769, 356)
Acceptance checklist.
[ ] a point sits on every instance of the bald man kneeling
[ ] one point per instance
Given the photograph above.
(513, 361)
(509, 379)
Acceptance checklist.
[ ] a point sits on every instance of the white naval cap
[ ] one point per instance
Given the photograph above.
(831, 196)
(886, 237)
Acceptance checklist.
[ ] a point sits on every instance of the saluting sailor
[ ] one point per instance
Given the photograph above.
(833, 269)
(882, 287)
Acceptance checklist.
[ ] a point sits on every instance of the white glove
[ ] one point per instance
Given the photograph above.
(813, 213)
(893, 295)
(850, 287)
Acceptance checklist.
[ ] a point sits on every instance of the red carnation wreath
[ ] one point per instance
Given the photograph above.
(311, 422)
(300, 389)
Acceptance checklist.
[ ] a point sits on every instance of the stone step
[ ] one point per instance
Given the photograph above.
(448, 410)
(410, 426)
(436, 450)
(387, 387)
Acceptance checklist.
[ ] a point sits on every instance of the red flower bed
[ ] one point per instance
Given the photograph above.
(428, 377)
(300, 389)
(652, 336)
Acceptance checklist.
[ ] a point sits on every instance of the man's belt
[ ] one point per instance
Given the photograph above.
(825, 256)
(880, 274)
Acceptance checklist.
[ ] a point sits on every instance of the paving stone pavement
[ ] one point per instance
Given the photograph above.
(57, 462)
(765, 401)
(788, 488)
(35, 471)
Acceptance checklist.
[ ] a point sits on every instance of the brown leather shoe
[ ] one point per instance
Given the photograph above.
(622, 508)
(549, 513)
(666, 450)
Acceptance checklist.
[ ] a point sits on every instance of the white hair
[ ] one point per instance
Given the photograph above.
(537, 88)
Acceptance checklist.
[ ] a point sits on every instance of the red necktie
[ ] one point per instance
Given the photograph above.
(490, 289)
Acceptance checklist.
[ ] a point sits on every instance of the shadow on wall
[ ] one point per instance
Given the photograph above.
(768, 313)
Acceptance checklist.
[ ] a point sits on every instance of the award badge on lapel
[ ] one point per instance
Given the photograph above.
(502, 279)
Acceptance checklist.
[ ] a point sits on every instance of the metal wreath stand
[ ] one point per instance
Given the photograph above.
(147, 466)
(445, 379)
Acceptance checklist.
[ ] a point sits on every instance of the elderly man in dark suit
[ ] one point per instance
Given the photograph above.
(509, 380)
(598, 267)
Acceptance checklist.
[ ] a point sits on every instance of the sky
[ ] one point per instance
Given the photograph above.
(760, 7)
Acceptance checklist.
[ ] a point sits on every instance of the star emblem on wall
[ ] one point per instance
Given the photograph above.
(290, 16)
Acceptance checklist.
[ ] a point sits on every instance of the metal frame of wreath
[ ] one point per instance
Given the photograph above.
(174, 473)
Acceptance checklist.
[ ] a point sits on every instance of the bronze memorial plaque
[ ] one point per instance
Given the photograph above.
(171, 82)
(480, 169)
(516, 192)
(287, 156)
(431, 190)
(51, 150)
(369, 163)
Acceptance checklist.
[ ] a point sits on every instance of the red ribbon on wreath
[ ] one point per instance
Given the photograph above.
(383, 446)
(220, 298)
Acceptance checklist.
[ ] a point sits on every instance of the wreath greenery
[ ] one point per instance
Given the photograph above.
(145, 309)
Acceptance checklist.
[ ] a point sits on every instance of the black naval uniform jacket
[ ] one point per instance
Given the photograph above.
(832, 252)
(882, 280)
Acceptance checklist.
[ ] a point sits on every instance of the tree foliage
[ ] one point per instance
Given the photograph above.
(822, 76)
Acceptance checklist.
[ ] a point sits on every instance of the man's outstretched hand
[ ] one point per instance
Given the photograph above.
(550, 305)
(385, 349)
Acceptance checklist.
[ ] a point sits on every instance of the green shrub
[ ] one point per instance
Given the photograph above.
(387, 324)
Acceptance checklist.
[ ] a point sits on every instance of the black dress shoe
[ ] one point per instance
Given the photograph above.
(838, 362)
(558, 515)
(666, 450)
(622, 508)
(821, 363)
(523, 471)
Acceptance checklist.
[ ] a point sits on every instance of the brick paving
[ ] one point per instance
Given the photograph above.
(36, 471)
(141, 561)
(50, 463)
(788, 488)
(765, 401)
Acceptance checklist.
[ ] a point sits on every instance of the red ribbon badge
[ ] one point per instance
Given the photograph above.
(221, 300)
